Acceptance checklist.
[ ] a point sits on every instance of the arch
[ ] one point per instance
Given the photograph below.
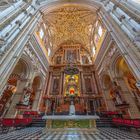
(119, 67)
(29, 65)
(20, 71)
(21, 68)
(116, 34)
(91, 5)
(109, 94)
(36, 91)
(36, 83)
(126, 80)
(39, 76)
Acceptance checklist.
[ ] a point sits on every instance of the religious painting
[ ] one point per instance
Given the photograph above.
(58, 60)
(55, 87)
(71, 87)
(88, 86)
(72, 90)
(71, 55)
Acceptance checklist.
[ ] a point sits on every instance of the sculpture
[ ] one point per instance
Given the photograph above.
(27, 94)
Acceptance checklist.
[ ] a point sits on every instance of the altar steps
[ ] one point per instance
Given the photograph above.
(104, 122)
(38, 123)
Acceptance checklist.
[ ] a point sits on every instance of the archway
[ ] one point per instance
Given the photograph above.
(107, 87)
(124, 71)
(126, 81)
(14, 89)
(36, 93)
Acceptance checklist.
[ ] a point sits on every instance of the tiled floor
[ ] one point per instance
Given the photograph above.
(44, 134)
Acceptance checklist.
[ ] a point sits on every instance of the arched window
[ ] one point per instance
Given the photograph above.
(41, 33)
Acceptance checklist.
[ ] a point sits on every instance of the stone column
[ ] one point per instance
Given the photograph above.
(49, 83)
(80, 83)
(16, 48)
(83, 83)
(95, 83)
(61, 84)
(127, 48)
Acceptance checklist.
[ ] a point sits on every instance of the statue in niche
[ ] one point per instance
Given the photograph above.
(26, 97)
(55, 86)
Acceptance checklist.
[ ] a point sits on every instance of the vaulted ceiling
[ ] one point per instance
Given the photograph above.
(70, 23)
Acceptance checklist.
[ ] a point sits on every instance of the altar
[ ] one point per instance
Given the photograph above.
(71, 121)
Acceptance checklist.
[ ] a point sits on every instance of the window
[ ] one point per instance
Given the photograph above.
(41, 33)
(93, 50)
(49, 51)
(100, 31)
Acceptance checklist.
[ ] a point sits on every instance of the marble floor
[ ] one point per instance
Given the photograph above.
(37, 133)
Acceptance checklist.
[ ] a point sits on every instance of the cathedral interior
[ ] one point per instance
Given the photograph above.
(70, 69)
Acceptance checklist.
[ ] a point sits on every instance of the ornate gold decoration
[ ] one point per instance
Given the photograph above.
(70, 23)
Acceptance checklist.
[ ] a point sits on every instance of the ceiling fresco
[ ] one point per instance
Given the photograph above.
(70, 23)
